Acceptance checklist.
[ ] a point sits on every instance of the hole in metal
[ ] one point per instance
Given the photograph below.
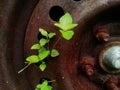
(76, 0)
(56, 12)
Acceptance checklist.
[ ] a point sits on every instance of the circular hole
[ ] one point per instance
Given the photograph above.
(76, 0)
(56, 12)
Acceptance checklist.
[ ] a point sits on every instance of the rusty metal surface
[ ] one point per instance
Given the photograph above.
(87, 14)
(18, 33)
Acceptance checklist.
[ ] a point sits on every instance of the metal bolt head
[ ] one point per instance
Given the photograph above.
(102, 34)
(86, 63)
(112, 83)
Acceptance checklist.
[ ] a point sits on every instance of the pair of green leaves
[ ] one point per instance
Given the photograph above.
(39, 58)
(43, 41)
(44, 86)
(43, 52)
(46, 34)
(66, 25)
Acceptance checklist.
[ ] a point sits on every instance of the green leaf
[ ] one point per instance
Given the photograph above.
(51, 35)
(43, 41)
(42, 66)
(69, 27)
(59, 25)
(43, 32)
(66, 19)
(66, 27)
(33, 59)
(65, 22)
(54, 53)
(67, 34)
(35, 46)
(41, 49)
(43, 54)
(44, 86)
(45, 83)
(49, 88)
(38, 87)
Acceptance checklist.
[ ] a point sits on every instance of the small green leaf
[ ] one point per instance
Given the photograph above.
(70, 26)
(35, 46)
(67, 34)
(59, 25)
(43, 32)
(45, 83)
(44, 54)
(49, 88)
(66, 19)
(33, 59)
(65, 27)
(38, 87)
(43, 41)
(42, 66)
(65, 22)
(54, 53)
(51, 35)
(41, 49)
(44, 86)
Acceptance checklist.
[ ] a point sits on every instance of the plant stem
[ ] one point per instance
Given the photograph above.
(24, 68)
(57, 42)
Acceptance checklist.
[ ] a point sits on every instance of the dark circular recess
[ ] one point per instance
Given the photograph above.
(56, 12)
(76, 0)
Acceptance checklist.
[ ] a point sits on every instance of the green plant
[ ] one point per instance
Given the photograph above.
(65, 26)
(44, 86)
(43, 51)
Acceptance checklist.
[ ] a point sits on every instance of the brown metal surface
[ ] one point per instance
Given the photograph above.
(18, 32)
(14, 15)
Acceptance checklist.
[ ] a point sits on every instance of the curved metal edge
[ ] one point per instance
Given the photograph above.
(13, 20)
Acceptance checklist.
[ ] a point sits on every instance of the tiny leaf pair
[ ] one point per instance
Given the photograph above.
(66, 25)
(46, 34)
(66, 22)
(44, 86)
(42, 66)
